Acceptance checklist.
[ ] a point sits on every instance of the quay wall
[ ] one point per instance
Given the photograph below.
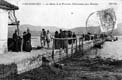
(34, 61)
(59, 54)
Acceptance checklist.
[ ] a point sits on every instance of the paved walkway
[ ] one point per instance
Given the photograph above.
(10, 57)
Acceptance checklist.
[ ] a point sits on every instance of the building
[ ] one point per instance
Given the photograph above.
(5, 7)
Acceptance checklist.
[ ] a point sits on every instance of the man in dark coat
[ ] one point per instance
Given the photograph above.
(24, 41)
(61, 35)
(69, 36)
(28, 41)
(15, 39)
(57, 41)
(74, 36)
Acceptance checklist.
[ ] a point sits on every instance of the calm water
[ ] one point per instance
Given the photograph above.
(35, 41)
(112, 49)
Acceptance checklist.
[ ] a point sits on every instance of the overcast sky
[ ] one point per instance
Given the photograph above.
(38, 13)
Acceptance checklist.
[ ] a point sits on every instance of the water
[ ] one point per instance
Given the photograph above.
(112, 49)
(35, 41)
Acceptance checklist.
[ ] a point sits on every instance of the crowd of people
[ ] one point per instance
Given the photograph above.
(61, 43)
(24, 43)
(46, 38)
(90, 36)
(17, 43)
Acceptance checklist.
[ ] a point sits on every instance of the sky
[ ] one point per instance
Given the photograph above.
(62, 13)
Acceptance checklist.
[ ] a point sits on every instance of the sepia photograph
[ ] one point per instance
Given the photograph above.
(60, 39)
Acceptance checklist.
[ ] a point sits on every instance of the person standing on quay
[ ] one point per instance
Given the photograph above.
(15, 39)
(28, 41)
(24, 42)
(48, 38)
(57, 42)
(43, 38)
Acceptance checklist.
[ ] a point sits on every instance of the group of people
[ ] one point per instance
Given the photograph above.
(24, 43)
(21, 44)
(18, 43)
(90, 36)
(61, 43)
(15, 42)
(45, 38)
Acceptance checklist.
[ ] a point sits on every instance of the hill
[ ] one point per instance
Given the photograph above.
(80, 30)
(35, 30)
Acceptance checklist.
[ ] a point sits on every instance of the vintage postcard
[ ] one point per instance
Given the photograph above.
(60, 39)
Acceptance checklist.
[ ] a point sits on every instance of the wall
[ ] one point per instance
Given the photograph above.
(3, 30)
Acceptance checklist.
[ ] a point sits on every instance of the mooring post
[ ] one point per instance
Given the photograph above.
(67, 47)
(82, 46)
(53, 47)
(79, 44)
(76, 44)
(72, 48)
(60, 55)
(22, 44)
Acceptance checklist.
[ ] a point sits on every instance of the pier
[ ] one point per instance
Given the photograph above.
(26, 61)
(13, 64)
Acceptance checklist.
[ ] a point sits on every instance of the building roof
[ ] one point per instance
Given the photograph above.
(8, 6)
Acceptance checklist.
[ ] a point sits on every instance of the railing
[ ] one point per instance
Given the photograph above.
(76, 44)
(79, 45)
